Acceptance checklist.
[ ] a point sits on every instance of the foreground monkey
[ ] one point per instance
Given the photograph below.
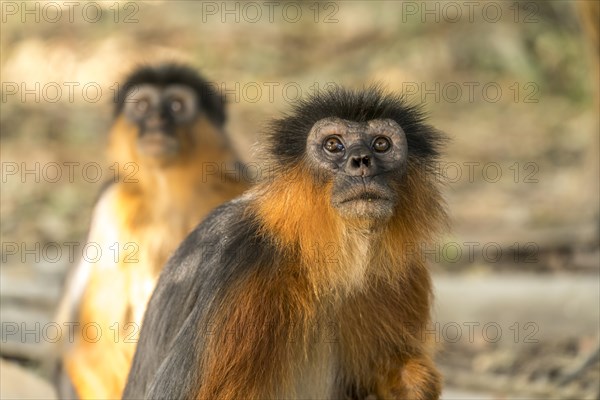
(308, 286)
(175, 166)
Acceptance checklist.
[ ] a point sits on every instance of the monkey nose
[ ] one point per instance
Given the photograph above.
(359, 165)
(156, 121)
(359, 161)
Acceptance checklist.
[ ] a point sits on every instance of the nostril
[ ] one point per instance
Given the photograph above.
(356, 161)
(366, 161)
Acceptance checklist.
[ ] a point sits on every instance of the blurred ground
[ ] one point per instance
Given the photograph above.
(19, 383)
(516, 95)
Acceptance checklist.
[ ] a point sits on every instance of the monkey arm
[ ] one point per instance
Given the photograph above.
(67, 313)
(75, 306)
(103, 231)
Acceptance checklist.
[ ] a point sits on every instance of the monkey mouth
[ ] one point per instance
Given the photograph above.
(158, 146)
(366, 204)
(364, 200)
(368, 196)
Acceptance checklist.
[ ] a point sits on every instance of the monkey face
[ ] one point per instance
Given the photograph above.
(365, 161)
(162, 116)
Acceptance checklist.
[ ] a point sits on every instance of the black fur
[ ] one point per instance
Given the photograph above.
(167, 74)
(287, 137)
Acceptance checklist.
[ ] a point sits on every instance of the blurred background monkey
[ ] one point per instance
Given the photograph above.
(330, 242)
(175, 165)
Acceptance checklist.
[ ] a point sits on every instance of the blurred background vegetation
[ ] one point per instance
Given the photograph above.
(514, 84)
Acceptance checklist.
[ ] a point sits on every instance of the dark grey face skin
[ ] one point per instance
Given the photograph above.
(365, 161)
(158, 113)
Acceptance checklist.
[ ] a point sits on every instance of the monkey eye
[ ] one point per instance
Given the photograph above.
(176, 106)
(142, 105)
(381, 144)
(333, 144)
